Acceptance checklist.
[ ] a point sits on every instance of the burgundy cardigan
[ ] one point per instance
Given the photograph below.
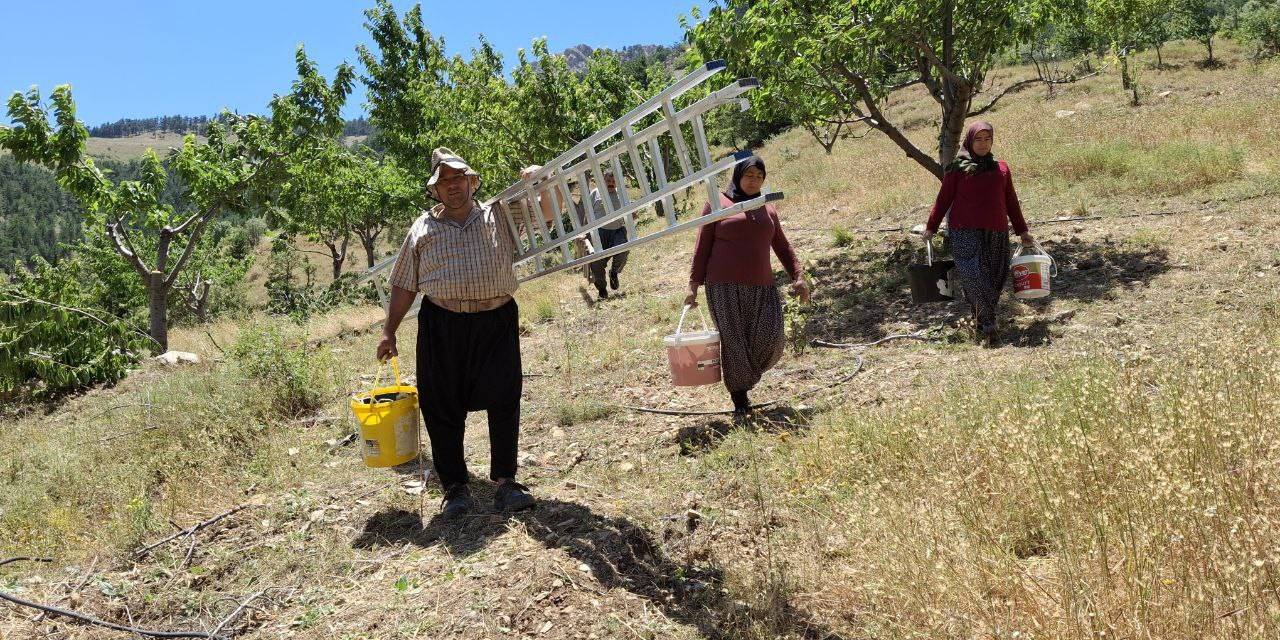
(736, 249)
(984, 200)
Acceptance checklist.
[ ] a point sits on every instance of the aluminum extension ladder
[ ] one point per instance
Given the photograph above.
(546, 247)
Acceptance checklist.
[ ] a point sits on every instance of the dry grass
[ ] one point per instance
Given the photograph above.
(1118, 500)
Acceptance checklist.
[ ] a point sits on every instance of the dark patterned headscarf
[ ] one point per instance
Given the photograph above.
(970, 162)
(734, 192)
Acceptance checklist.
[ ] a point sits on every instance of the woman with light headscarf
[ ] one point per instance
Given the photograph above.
(979, 201)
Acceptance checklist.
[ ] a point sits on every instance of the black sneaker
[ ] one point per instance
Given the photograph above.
(457, 502)
(512, 496)
(613, 280)
(603, 293)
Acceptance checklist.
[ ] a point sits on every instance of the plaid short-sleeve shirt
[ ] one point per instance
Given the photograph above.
(450, 261)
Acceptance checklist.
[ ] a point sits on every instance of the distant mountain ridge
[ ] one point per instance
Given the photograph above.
(577, 56)
(127, 127)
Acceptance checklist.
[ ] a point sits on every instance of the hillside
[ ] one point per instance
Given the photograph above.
(577, 56)
(1108, 472)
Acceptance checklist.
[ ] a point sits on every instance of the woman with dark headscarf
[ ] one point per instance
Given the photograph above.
(732, 259)
(979, 201)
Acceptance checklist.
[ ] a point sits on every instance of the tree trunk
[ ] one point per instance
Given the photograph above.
(337, 266)
(1125, 81)
(157, 306)
(369, 242)
(952, 129)
(1209, 44)
(1159, 58)
(338, 253)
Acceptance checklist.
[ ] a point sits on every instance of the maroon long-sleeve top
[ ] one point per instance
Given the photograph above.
(984, 200)
(736, 249)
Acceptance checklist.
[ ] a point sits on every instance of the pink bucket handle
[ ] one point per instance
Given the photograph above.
(680, 327)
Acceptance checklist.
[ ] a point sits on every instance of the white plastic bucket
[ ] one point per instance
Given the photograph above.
(694, 357)
(1033, 273)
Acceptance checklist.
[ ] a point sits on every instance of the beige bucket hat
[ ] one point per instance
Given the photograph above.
(443, 156)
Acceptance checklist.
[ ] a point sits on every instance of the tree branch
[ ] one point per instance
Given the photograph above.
(1009, 89)
(193, 529)
(878, 121)
(189, 250)
(935, 89)
(943, 69)
(66, 613)
(125, 248)
(183, 227)
(904, 85)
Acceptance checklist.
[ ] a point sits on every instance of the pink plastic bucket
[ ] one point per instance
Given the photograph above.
(694, 357)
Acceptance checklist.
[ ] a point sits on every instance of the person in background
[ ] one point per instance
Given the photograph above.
(979, 201)
(460, 255)
(731, 258)
(611, 235)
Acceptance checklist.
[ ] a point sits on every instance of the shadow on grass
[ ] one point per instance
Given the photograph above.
(865, 294)
(700, 438)
(619, 554)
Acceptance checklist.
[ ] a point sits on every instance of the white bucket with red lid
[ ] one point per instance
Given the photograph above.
(694, 357)
(1033, 273)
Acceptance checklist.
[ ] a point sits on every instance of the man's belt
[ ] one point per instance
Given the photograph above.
(470, 306)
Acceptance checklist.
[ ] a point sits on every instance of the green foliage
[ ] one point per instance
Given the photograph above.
(296, 378)
(239, 166)
(420, 99)
(1127, 27)
(741, 130)
(36, 217)
(51, 342)
(1198, 20)
(1260, 26)
(842, 237)
(795, 316)
(824, 62)
(291, 288)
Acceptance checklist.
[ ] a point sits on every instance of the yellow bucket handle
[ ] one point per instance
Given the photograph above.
(395, 368)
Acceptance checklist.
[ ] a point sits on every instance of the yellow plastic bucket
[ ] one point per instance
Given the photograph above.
(388, 418)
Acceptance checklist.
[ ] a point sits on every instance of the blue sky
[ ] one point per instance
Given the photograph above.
(138, 58)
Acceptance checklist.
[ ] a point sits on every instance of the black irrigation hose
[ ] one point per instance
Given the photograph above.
(66, 613)
(803, 394)
(24, 559)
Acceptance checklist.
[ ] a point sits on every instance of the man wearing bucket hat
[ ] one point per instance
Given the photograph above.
(460, 256)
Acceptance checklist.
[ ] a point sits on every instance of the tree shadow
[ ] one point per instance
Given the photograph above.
(865, 293)
(618, 553)
(699, 438)
(1092, 271)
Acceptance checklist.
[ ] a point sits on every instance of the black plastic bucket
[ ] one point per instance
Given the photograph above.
(931, 281)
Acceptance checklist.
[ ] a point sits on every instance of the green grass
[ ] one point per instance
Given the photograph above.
(842, 237)
(545, 310)
(173, 441)
(578, 411)
(1117, 167)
